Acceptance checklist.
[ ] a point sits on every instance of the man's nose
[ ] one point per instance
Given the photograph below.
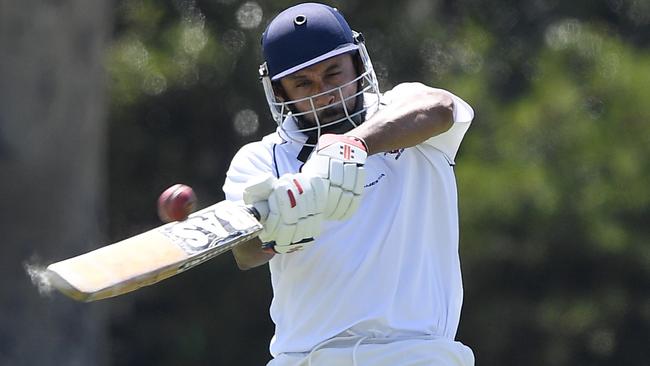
(324, 99)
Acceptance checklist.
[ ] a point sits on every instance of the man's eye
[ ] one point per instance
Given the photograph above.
(302, 84)
(335, 73)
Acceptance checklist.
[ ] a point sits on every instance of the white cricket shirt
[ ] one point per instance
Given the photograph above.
(392, 269)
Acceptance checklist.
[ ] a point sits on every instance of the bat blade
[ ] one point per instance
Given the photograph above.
(152, 256)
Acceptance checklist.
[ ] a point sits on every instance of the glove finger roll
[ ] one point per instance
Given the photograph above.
(333, 200)
(306, 194)
(354, 205)
(286, 200)
(349, 177)
(336, 172)
(258, 189)
(320, 188)
(361, 180)
(343, 205)
(285, 234)
(273, 219)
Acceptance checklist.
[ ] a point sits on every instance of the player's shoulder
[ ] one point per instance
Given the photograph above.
(257, 153)
(463, 112)
(411, 88)
(261, 147)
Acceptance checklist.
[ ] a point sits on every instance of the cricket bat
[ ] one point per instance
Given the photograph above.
(155, 255)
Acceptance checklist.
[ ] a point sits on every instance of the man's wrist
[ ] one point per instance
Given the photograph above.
(354, 140)
(358, 139)
(347, 148)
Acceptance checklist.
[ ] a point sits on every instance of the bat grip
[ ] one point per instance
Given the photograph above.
(253, 211)
(260, 210)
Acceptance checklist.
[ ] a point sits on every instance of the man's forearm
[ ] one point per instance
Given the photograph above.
(410, 119)
(250, 254)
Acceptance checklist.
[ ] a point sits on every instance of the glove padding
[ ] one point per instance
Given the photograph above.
(340, 160)
(295, 205)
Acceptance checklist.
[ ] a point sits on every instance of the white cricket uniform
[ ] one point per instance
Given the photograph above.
(392, 270)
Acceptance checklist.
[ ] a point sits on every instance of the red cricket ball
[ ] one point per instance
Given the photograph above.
(176, 203)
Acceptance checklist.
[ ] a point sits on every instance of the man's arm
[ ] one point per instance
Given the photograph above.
(415, 114)
(250, 254)
(250, 161)
(291, 209)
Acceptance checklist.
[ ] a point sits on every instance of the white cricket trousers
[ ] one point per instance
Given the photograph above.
(361, 351)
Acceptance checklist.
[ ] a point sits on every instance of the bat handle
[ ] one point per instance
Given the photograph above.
(260, 210)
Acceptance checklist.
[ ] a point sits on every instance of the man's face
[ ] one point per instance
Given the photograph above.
(321, 77)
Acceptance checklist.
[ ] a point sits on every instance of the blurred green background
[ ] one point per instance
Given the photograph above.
(104, 104)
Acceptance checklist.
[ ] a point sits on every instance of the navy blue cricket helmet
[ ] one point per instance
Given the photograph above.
(302, 36)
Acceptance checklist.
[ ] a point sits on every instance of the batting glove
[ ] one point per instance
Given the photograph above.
(340, 160)
(295, 205)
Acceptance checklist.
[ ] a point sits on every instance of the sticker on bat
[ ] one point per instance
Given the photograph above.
(201, 231)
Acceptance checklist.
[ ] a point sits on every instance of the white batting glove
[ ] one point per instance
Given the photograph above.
(257, 193)
(294, 203)
(340, 160)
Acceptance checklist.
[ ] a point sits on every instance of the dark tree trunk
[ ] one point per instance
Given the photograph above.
(52, 143)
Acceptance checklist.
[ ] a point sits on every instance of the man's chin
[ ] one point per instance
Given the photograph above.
(344, 125)
(338, 128)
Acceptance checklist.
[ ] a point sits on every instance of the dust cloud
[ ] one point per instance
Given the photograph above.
(39, 277)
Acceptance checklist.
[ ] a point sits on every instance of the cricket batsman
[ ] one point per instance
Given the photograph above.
(361, 235)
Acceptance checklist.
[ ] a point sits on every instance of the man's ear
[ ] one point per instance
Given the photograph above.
(279, 92)
(358, 63)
